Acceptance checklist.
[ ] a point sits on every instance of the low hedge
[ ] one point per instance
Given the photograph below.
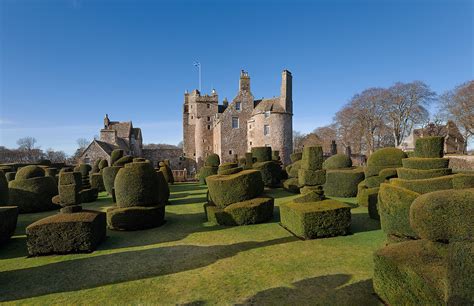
(33, 194)
(326, 218)
(294, 157)
(445, 215)
(394, 209)
(271, 172)
(463, 181)
(8, 220)
(253, 211)
(343, 183)
(364, 193)
(429, 147)
(312, 158)
(410, 273)
(212, 160)
(3, 190)
(292, 169)
(228, 189)
(262, 154)
(425, 185)
(338, 161)
(311, 177)
(425, 163)
(415, 174)
(291, 185)
(374, 181)
(108, 175)
(135, 218)
(136, 185)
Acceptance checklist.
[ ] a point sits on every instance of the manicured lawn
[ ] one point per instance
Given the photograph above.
(188, 261)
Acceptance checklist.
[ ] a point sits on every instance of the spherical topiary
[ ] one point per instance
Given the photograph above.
(337, 161)
(137, 185)
(122, 161)
(227, 189)
(262, 154)
(108, 175)
(3, 190)
(212, 160)
(28, 172)
(115, 156)
(429, 147)
(343, 183)
(382, 159)
(443, 215)
(103, 163)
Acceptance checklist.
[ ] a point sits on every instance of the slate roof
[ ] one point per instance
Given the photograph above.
(264, 105)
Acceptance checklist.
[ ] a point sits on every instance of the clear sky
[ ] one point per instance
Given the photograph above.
(65, 63)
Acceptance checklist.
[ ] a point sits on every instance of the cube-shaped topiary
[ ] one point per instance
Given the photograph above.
(31, 191)
(444, 215)
(429, 147)
(338, 161)
(253, 211)
(343, 183)
(262, 154)
(425, 163)
(316, 219)
(394, 209)
(311, 177)
(8, 220)
(227, 189)
(312, 158)
(425, 185)
(271, 172)
(69, 188)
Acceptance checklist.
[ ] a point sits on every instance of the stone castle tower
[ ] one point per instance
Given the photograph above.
(231, 129)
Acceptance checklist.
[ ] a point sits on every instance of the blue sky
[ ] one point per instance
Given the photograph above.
(65, 63)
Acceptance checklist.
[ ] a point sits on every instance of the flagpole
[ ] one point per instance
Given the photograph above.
(199, 77)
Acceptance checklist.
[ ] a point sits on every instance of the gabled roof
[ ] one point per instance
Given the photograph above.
(106, 147)
(137, 132)
(124, 129)
(272, 105)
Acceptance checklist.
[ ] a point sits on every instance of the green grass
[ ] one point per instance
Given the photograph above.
(189, 261)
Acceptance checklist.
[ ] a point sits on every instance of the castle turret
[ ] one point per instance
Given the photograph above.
(244, 82)
(287, 91)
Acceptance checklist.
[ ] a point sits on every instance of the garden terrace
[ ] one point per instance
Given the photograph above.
(188, 260)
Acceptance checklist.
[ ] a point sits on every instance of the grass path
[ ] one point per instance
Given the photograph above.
(188, 261)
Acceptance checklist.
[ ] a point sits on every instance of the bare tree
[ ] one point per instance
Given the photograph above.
(55, 156)
(180, 144)
(82, 143)
(297, 138)
(26, 143)
(405, 106)
(326, 134)
(458, 106)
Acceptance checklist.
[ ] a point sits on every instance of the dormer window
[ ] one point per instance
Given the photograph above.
(238, 106)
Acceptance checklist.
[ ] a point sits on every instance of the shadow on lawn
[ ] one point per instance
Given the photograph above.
(181, 187)
(321, 290)
(196, 199)
(115, 268)
(361, 222)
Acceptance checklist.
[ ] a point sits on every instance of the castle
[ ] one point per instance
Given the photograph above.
(232, 129)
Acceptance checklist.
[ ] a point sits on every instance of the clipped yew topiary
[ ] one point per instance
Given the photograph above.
(108, 175)
(291, 185)
(212, 160)
(429, 147)
(103, 164)
(382, 159)
(115, 156)
(167, 172)
(32, 191)
(97, 182)
(271, 172)
(211, 166)
(253, 211)
(463, 181)
(262, 154)
(342, 182)
(139, 204)
(338, 161)
(296, 156)
(122, 161)
(425, 163)
(10, 176)
(8, 221)
(3, 190)
(416, 174)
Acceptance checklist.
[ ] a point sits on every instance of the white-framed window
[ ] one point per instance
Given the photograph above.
(238, 106)
(235, 122)
(266, 129)
(267, 114)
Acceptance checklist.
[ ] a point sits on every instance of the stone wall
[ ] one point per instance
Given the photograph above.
(177, 161)
(93, 153)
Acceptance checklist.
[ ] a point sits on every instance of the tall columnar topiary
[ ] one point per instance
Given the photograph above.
(102, 164)
(95, 166)
(291, 184)
(236, 198)
(425, 173)
(80, 230)
(436, 269)
(139, 203)
(87, 193)
(211, 165)
(262, 154)
(269, 168)
(108, 176)
(311, 172)
(167, 172)
(115, 156)
(32, 191)
(381, 166)
(97, 181)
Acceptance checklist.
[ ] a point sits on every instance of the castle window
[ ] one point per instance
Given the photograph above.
(250, 143)
(266, 129)
(237, 106)
(208, 105)
(267, 114)
(230, 152)
(192, 117)
(208, 127)
(208, 118)
(235, 122)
